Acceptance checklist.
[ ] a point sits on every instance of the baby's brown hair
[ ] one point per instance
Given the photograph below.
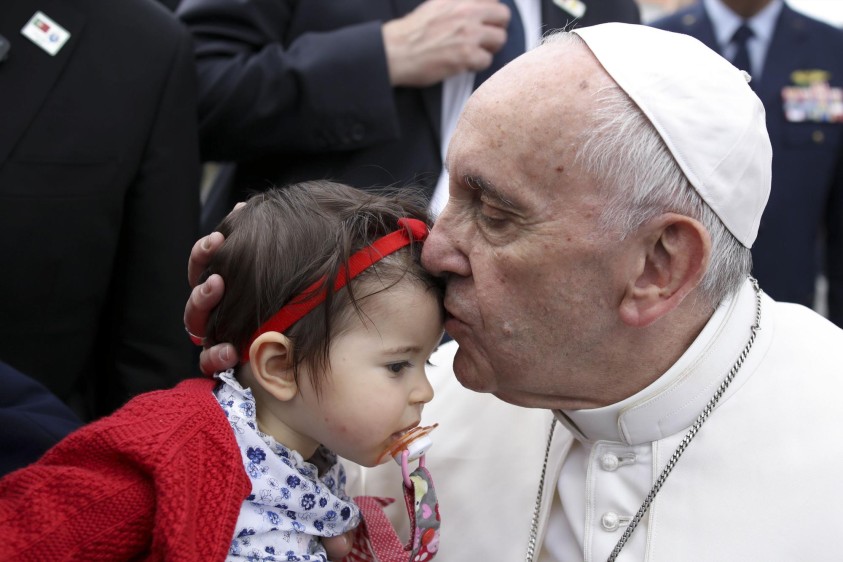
(286, 239)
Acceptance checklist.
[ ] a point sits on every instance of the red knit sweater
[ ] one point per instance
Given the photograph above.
(161, 478)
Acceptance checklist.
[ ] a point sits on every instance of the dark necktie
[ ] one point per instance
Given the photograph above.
(513, 47)
(739, 39)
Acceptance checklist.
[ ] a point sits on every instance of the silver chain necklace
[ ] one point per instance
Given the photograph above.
(534, 527)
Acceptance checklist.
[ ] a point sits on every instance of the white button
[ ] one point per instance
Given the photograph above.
(610, 521)
(609, 462)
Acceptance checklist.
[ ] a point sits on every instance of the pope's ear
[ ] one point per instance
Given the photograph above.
(270, 358)
(674, 256)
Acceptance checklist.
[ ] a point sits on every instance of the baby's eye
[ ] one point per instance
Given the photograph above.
(396, 368)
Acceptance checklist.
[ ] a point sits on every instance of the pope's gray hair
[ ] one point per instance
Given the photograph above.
(641, 180)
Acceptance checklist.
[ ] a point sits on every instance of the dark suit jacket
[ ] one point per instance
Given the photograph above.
(99, 204)
(32, 420)
(801, 230)
(298, 90)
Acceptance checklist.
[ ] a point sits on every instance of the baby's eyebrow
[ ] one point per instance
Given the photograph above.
(403, 349)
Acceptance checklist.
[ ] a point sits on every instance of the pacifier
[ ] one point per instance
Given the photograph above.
(376, 536)
(411, 446)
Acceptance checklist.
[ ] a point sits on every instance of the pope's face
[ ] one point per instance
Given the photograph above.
(532, 284)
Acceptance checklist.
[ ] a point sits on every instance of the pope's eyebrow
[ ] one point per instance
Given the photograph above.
(487, 190)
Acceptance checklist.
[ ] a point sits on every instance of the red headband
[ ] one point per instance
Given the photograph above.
(310, 298)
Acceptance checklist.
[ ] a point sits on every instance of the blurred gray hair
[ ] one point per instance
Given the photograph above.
(641, 180)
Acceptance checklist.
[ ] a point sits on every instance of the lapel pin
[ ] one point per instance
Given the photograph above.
(574, 7)
(45, 33)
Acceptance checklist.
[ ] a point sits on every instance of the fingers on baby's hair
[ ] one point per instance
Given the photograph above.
(203, 299)
(205, 363)
(209, 360)
(201, 254)
(217, 358)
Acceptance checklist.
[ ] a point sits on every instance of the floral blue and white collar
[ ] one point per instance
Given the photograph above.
(291, 505)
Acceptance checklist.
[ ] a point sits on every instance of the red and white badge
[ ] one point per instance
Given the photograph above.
(45, 33)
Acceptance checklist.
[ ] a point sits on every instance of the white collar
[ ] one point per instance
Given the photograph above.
(672, 402)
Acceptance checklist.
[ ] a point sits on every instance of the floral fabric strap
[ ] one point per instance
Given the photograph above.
(375, 540)
(423, 508)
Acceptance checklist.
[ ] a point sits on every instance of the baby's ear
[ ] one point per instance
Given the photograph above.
(270, 358)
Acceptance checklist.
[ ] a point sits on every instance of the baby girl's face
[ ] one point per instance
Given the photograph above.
(377, 385)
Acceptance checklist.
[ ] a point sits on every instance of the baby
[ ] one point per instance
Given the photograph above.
(335, 319)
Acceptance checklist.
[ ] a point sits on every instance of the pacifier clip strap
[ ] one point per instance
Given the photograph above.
(376, 540)
(423, 509)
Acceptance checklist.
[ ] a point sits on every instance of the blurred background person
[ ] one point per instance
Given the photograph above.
(32, 419)
(99, 203)
(652, 10)
(365, 92)
(797, 70)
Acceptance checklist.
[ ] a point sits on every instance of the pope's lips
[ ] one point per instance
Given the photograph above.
(453, 323)
(451, 315)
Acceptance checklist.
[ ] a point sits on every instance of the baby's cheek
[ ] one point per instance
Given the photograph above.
(351, 430)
